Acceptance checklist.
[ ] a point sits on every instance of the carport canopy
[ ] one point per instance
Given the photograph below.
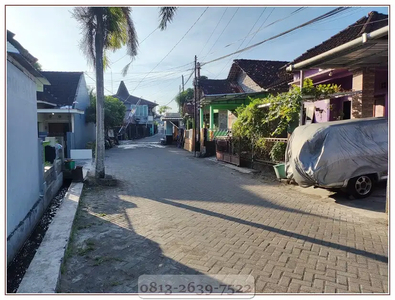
(368, 50)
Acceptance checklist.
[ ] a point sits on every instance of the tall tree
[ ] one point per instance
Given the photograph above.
(103, 29)
(183, 97)
(162, 109)
(114, 112)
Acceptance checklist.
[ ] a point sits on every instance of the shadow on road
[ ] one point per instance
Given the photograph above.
(375, 202)
(108, 256)
(295, 235)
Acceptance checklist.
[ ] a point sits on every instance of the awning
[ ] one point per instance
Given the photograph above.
(370, 49)
(171, 119)
(228, 98)
(59, 111)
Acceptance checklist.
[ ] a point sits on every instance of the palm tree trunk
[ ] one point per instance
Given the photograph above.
(99, 158)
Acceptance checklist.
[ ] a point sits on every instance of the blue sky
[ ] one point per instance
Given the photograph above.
(53, 36)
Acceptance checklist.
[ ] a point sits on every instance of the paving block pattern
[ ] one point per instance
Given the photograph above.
(176, 214)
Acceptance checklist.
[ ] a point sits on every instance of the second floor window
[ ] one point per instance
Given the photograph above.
(141, 110)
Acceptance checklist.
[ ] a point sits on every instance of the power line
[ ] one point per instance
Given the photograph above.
(190, 75)
(263, 23)
(212, 32)
(172, 48)
(221, 33)
(358, 25)
(139, 43)
(342, 15)
(95, 82)
(164, 88)
(324, 16)
(153, 78)
(142, 73)
(274, 22)
(243, 40)
(255, 32)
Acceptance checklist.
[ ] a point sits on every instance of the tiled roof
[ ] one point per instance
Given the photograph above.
(63, 88)
(30, 58)
(123, 95)
(367, 24)
(265, 73)
(218, 86)
(23, 57)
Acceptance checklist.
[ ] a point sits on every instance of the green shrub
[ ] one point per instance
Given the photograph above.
(277, 153)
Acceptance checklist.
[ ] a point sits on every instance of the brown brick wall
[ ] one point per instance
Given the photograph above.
(362, 104)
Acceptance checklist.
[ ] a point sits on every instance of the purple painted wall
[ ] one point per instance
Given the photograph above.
(321, 111)
(328, 109)
(343, 78)
(306, 73)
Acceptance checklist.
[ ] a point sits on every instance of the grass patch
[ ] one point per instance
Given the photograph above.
(80, 227)
(62, 268)
(90, 243)
(102, 215)
(70, 245)
(85, 251)
(90, 246)
(117, 259)
(100, 259)
(115, 283)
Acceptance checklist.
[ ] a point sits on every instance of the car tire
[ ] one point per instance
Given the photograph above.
(361, 186)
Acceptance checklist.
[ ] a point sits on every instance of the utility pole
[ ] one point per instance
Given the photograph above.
(195, 106)
(198, 101)
(182, 82)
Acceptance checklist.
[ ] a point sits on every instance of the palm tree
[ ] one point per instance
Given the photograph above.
(103, 29)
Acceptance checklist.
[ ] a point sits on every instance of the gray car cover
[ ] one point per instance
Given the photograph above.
(327, 154)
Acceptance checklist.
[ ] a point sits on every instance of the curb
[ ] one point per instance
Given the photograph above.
(233, 167)
(43, 274)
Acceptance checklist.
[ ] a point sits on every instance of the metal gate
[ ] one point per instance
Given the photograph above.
(226, 150)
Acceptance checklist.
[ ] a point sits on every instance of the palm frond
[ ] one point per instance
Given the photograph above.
(166, 15)
(106, 60)
(132, 44)
(86, 17)
(125, 69)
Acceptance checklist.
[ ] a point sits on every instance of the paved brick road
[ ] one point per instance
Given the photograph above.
(176, 214)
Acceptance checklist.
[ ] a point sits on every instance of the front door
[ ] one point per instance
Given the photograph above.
(58, 129)
(346, 110)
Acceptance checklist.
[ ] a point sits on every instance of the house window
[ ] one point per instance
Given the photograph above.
(378, 108)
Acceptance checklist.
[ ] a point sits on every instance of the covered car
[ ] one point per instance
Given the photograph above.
(348, 154)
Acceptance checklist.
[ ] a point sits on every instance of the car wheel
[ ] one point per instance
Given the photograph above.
(361, 186)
